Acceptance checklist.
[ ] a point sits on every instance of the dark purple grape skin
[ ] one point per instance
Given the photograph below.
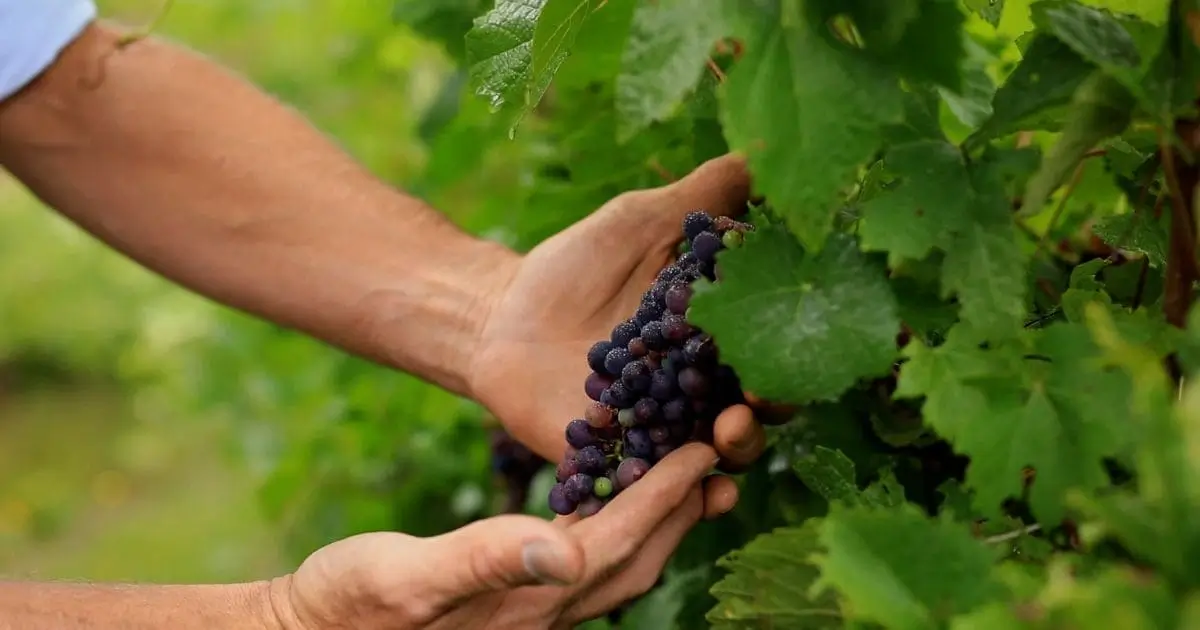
(685, 260)
(696, 222)
(646, 410)
(662, 386)
(623, 332)
(596, 384)
(658, 290)
(678, 297)
(662, 450)
(567, 467)
(652, 335)
(616, 359)
(668, 273)
(649, 310)
(591, 460)
(630, 471)
(590, 507)
(580, 433)
(693, 382)
(675, 410)
(637, 348)
(700, 350)
(620, 395)
(578, 487)
(596, 355)
(636, 377)
(600, 415)
(559, 502)
(675, 328)
(706, 245)
(659, 433)
(638, 444)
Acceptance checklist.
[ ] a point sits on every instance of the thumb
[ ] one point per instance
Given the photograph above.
(499, 553)
(720, 186)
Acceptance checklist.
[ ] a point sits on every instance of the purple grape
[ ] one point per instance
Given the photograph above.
(616, 359)
(636, 377)
(662, 450)
(559, 502)
(705, 246)
(693, 382)
(596, 354)
(590, 507)
(649, 310)
(580, 434)
(646, 410)
(620, 395)
(567, 467)
(678, 297)
(662, 386)
(637, 348)
(675, 410)
(686, 260)
(658, 290)
(700, 350)
(630, 471)
(638, 444)
(696, 222)
(652, 335)
(668, 273)
(623, 332)
(596, 384)
(600, 415)
(675, 328)
(591, 460)
(578, 487)
(659, 433)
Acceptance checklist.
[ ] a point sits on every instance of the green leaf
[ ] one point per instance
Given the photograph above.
(768, 585)
(831, 474)
(989, 10)
(1036, 93)
(898, 568)
(920, 39)
(797, 99)
(1136, 232)
(595, 58)
(799, 328)
(1098, 36)
(664, 57)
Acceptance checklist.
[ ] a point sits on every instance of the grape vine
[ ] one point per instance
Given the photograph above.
(973, 277)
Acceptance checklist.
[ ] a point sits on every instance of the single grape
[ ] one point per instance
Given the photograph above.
(659, 433)
(675, 329)
(731, 239)
(627, 418)
(637, 348)
(578, 487)
(646, 410)
(580, 434)
(685, 260)
(590, 507)
(705, 246)
(700, 350)
(675, 410)
(678, 297)
(630, 470)
(567, 467)
(620, 395)
(693, 382)
(638, 444)
(559, 502)
(636, 377)
(595, 355)
(602, 487)
(650, 309)
(658, 290)
(623, 332)
(596, 384)
(591, 460)
(696, 222)
(600, 415)
(616, 359)
(652, 335)
(662, 386)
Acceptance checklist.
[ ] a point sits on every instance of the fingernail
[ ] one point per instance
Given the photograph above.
(715, 461)
(544, 563)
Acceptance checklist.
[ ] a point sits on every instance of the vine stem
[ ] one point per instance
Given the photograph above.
(1016, 533)
(1043, 244)
(1182, 270)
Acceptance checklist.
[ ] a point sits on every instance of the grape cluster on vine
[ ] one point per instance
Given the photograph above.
(656, 383)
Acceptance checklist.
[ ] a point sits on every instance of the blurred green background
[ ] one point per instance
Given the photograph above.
(147, 434)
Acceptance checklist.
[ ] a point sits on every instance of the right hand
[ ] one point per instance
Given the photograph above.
(508, 571)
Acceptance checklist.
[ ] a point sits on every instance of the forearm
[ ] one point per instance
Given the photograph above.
(203, 178)
(44, 606)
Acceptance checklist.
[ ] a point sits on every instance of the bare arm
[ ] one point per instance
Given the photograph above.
(86, 607)
(200, 176)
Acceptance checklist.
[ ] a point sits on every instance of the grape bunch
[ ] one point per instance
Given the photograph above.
(656, 382)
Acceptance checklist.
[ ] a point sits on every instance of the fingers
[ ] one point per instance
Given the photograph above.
(769, 413)
(643, 572)
(720, 186)
(738, 437)
(720, 496)
(494, 554)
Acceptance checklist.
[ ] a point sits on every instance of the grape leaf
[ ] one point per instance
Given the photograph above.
(901, 569)
(1036, 93)
(1136, 232)
(799, 328)
(594, 57)
(989, 10)
(796, 99)
(1097, 35)
(664, 56)
(831, 474)
(768, 584)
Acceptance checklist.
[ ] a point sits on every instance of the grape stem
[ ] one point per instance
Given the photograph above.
(1016, 533)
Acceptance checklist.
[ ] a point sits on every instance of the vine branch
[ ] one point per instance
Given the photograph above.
(1016, 533)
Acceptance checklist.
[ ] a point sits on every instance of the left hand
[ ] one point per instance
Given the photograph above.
(569, 292)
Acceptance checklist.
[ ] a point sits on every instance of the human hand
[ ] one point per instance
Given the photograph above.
(503, 572)
(569, 292)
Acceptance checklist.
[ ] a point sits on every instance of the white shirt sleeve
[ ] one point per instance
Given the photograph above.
(33, 33)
